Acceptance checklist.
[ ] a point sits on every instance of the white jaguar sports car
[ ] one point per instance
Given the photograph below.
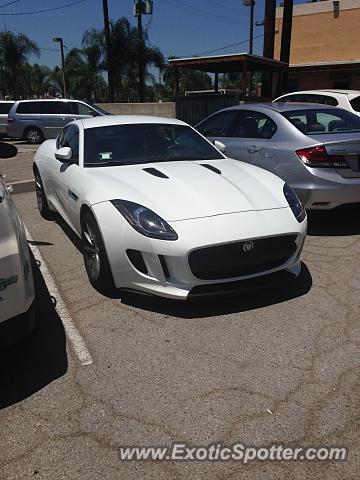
(160, 210)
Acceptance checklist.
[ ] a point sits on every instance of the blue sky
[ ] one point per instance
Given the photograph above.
(177, 27)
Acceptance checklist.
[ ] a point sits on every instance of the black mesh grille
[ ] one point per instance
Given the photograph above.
(241, 258)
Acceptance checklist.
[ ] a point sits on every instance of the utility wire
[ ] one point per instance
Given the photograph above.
(198, 12)
(205, 12)
(47, 10)
(10, 3)
(221, 48)
(222, 6)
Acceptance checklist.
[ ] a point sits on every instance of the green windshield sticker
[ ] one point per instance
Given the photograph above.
(5, 282)
(105, 155)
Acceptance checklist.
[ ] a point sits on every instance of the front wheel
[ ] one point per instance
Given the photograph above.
(42, 202)
(95, 257)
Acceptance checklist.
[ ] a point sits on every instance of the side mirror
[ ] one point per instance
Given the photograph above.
(63, 154)
(220, 146)
(7, 150)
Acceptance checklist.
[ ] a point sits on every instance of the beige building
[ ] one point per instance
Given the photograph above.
(325, 45)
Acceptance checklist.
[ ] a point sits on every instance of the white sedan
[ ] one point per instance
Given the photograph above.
(160, 210)
(17, 298)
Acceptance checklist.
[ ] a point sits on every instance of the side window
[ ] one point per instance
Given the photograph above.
(218, 125)
(355, 103)
(66, 108)
(250, 124)
(5, 108)
(33, 107)
(81, 109)
(310, 98)
(60, 139)
(303, 97)
(69, 137)
(329, 100)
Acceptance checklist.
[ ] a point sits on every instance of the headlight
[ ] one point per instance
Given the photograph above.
(145, 221)
(294, 203)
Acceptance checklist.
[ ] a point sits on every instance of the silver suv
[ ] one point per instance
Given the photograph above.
(38, 120)
(5, 107)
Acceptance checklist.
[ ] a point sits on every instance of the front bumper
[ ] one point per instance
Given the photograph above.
(168, 271)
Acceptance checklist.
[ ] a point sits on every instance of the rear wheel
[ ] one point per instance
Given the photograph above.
(41, 199)
(95, 257)
(33, 135)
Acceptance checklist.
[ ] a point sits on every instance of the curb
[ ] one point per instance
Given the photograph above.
(24, 186)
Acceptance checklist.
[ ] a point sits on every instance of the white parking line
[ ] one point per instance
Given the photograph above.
(72, 332)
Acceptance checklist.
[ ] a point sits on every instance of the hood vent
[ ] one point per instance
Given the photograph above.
(155, 172)
(211, 167)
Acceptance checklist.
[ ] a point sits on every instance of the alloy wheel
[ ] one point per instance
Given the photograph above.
(92, 253)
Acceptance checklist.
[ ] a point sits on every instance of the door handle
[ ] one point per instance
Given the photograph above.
(253, 149)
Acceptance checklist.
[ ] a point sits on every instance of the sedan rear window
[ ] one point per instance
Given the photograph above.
(144, 143)
(320, 121)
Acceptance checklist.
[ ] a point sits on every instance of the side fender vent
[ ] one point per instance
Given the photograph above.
(155, 172)
(211, 167)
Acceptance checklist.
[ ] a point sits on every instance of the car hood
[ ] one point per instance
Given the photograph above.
(188, 189)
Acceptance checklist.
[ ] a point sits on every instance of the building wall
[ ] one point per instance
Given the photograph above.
(319, 34)
(164, 109)
(320, 80)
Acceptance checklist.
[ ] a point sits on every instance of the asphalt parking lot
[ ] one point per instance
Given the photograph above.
(277, 367)
(19, 169)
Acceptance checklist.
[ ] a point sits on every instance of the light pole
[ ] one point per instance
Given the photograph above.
(251, 4)
(109, 52)
(60, 40)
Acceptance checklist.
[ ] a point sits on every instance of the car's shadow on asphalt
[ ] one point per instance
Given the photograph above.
(339, 222)
(36, 361)
(216, 306)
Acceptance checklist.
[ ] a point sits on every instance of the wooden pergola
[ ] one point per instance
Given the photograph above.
(231, 63)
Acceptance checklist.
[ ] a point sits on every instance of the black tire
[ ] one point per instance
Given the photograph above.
(42, 202)
(33, 135)
(95, 256)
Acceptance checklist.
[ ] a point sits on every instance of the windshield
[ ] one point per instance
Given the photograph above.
(319, 121)
(143, 143)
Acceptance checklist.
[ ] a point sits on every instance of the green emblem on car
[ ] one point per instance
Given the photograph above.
(5, 282)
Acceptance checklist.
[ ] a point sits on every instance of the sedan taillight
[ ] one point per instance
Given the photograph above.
(318, 157)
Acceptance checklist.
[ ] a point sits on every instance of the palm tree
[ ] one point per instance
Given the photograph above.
(125, 50)
(14, 51)
(40, 79)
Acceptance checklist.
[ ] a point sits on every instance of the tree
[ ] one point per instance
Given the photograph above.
(14, 52)
(125, 48)
(188, 79)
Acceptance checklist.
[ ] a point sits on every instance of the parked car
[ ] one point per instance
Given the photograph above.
(5, 106)
(314, 148)
(160, 210)
(36, 120)
(347, 99)
(17, 298)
